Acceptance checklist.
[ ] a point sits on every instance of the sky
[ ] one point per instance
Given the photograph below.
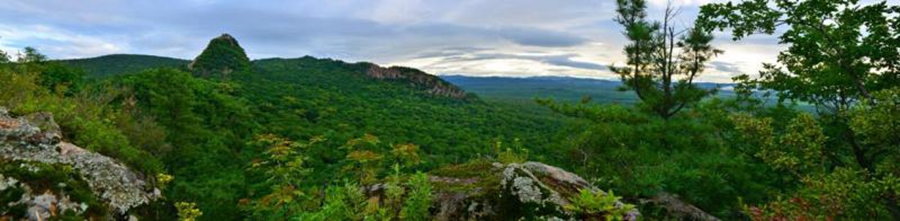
(520, 38)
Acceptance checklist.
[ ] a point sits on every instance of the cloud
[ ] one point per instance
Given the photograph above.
(561, 60)
(478, 37)
(397, 11)
(449, 52)
(542, 38)
(60, 43)
(519, 62)
(725, 67)
(527, 36)
(566, 60)
(677, 3)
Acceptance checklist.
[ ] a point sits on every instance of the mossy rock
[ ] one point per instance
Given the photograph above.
(58, 180)
(484, 190)
(56, 176)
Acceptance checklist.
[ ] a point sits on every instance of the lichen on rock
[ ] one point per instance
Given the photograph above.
(37, 139)
(495, 191)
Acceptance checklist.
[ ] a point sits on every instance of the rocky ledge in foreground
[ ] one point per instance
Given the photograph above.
(34, 143)
(483, 190)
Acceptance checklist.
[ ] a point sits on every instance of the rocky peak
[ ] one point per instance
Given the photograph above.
(228, 39)
(416, 78)
(222, 57)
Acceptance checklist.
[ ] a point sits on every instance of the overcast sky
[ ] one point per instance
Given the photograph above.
(470, 37)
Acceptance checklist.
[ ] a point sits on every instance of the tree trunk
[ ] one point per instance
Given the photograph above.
(860, 154)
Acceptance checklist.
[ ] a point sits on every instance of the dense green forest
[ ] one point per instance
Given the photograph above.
(223, 137)
(507, 89)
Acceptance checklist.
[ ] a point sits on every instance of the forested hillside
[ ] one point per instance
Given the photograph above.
(222, 137)
(109, 65)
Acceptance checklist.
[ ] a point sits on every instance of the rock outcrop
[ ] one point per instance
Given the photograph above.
(222, 58)
(416, 78)
(36, 138)
(676, 208)
(493, 191)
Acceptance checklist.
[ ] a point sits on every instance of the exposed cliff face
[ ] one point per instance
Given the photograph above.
(493, 191)
(221, 58)
(36, 140)
(416, 78)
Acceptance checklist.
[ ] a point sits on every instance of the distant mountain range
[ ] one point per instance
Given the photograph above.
(560, 88)
(115, 64)
(496, 88)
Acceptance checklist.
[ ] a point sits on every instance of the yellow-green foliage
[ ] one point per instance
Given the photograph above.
(393, 195)
(514, 154)
(284, 171)
(823, 193)
(341, 202)
(590, 205)
(365, 155)
(799, 150)
(878, 124)
(163, 180)
(841, 57)
(187, 211)
(18, 87)
(842, 193)
(419, 199)
(407, 154)
(87, 117)
(405, 197)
